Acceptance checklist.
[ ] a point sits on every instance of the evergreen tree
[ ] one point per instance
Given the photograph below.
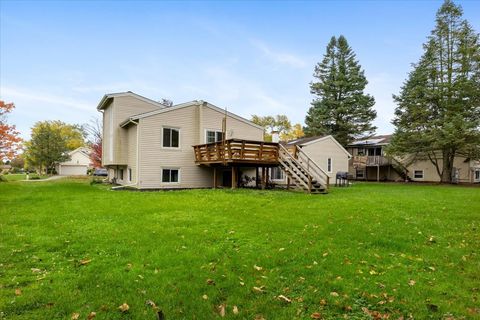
(341, 108)
(438, 108)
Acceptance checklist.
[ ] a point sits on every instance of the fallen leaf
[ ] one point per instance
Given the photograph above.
(281, 249)
(235, 310)
(325, 254)
(151, 303)
(259, 289)
(284, 299)
(36, 270)
(242, 283)
(18, 292)
(257, 268)
(334, 294)
(205, 297)
(75, 316)
(259, 317)
(91, 315)
(323, 302)
(124, 307)
(411, 282)
(221, 310)
(211, 282)
(316, 315)
(85, 261)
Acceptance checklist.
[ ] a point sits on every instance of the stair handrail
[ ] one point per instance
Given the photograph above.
(291, 158)
(322, 175)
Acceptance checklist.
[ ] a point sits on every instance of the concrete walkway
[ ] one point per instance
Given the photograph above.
(47, 179)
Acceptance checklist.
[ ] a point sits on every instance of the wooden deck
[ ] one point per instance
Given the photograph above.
(237, 152)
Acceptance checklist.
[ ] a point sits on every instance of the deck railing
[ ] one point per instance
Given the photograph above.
(236, 150)
(362, 161)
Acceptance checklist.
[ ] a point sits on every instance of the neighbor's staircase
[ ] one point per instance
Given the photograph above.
(302, 171)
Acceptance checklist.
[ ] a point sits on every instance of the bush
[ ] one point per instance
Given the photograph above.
(2, 178)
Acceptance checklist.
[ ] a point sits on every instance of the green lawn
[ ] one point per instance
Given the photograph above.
(22, 176)
(363, 252)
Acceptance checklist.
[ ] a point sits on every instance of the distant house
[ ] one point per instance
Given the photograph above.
(78, 164)
(371, 162)
(150, 145)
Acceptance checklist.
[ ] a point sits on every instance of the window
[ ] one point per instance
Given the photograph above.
(170, 175)
(213, 136)
(360, 151)
(277, 174)
(329, 165)
(477, 175)
(360, 174)
(121, 174)
(171, 138)
(129, 174)
(418, 174)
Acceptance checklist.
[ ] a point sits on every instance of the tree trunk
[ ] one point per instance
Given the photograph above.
(448, 157)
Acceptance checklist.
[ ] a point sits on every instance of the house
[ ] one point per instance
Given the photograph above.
(326, 152)
(78, 164)
(370, 162)
(148, 145)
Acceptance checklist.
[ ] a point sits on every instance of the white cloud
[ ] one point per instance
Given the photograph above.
(278, 57)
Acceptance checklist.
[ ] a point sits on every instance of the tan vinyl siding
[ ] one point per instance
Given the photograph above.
(118, 111)
(212, 119)
(132, 153)
(430, 172)
(192, 122)
(321, 150)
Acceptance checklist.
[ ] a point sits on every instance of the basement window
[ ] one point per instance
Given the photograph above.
(418, 174)
(170, 175)
(276, 173)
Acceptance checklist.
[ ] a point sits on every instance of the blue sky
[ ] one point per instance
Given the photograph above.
(57, 59)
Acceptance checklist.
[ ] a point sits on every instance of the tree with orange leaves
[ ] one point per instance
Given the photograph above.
(10, 142)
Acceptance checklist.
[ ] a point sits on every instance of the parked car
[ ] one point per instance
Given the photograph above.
(100, 172)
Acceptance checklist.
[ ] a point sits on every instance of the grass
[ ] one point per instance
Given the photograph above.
(22, 176)
(363, 252)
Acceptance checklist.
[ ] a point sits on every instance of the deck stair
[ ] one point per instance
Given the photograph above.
(302, 171)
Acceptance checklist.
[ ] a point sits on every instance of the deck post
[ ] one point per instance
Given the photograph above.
(263, 178)
(256, 177)
(378, 173)
(214, 177)
(234, 178)
(288, 183)
(267, 176)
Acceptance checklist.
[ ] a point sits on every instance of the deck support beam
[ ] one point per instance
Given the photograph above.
(378, 173)
(214, 178)
(263, 178)
(256, 177)
(234, 177)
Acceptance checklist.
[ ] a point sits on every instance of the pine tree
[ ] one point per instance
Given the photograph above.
(341, 108)
(438, 108)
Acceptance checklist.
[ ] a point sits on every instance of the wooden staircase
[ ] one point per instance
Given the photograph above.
(302, 171)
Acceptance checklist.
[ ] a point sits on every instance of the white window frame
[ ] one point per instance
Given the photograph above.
(179, 138)
(171, 168)
(282, 174)
(415, 173)
(475, 172)
(212, 130)
(330, 162)
(362, 176)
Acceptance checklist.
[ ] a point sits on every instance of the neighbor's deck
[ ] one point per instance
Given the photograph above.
(238, 152)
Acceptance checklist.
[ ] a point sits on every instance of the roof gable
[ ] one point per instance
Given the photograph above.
(186, 105)
(109, 96)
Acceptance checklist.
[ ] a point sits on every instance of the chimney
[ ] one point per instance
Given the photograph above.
(275, 136)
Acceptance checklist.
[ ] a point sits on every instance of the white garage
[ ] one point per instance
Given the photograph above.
(72, 170)
(77, 165)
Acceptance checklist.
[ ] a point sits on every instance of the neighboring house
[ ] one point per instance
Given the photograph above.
(325, 151)
(78, 164)
(370, 162)
(148, 145)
